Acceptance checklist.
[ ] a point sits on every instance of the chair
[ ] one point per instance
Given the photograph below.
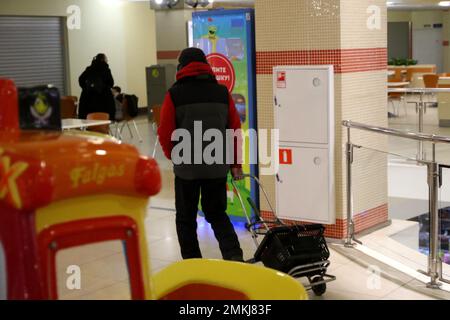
(431, 81)
(156, 111)
(417, 80)
(414, 76)
(397, 77)
(126, 121)
(397, 96)
(393, 96)
(444, 80)
(68, 107)
(409, 74)
(411, 77)
(99, 116)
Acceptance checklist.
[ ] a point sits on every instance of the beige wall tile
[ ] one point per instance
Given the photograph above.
(297, 25)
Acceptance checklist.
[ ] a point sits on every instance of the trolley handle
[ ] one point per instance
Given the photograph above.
(233, 183)
(252, 177)
(256, 225)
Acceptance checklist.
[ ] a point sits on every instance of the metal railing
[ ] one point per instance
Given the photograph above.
(433, 176)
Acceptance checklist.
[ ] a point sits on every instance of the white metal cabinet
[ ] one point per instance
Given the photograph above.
(302, 187)
(304, 115)
(302, 109)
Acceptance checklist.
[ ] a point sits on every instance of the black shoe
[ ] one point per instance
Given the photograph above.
(236, 258)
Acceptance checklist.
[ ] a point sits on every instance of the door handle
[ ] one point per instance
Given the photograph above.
(276, 102)
(278, 178)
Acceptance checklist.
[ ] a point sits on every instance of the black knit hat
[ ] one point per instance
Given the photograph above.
(189, 55)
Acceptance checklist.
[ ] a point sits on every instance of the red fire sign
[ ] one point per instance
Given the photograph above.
(281, 79)
(285, 156)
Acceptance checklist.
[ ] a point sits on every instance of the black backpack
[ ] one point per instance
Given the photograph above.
(132, 104)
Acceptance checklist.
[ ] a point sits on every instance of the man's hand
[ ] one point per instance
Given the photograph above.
(237, 173)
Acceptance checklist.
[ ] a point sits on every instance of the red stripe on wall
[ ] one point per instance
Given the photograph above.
(363, 221)
(344, 60)
(168, 55)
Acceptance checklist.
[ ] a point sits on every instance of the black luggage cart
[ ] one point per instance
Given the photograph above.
(298, 250)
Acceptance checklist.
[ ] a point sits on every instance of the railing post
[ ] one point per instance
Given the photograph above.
(349, 160)
(420, 151)
(433, 187)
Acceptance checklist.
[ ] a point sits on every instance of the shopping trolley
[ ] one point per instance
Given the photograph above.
(298, 250)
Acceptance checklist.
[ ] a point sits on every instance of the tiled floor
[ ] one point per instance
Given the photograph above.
(104, 272)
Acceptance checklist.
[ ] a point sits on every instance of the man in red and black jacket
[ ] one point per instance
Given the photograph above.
(194, 105)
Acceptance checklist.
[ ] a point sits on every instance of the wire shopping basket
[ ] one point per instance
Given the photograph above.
(299, 250)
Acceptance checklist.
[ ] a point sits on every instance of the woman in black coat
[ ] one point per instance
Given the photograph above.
(96, 83)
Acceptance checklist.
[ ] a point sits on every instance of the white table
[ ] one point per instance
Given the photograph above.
(82, 123)
(419, 90)
(397, 84)
(440, 78)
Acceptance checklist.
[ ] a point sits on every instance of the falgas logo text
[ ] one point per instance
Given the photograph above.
(95, 174)
(9, 173)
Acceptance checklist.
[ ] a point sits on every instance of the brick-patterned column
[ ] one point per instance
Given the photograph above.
(292, 32)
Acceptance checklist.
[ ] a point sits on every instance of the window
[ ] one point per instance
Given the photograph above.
(32, 51)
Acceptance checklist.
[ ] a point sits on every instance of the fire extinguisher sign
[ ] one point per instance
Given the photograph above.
(281, 79)
(285, 156)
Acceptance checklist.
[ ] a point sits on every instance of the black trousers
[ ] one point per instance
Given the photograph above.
(214, 204)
